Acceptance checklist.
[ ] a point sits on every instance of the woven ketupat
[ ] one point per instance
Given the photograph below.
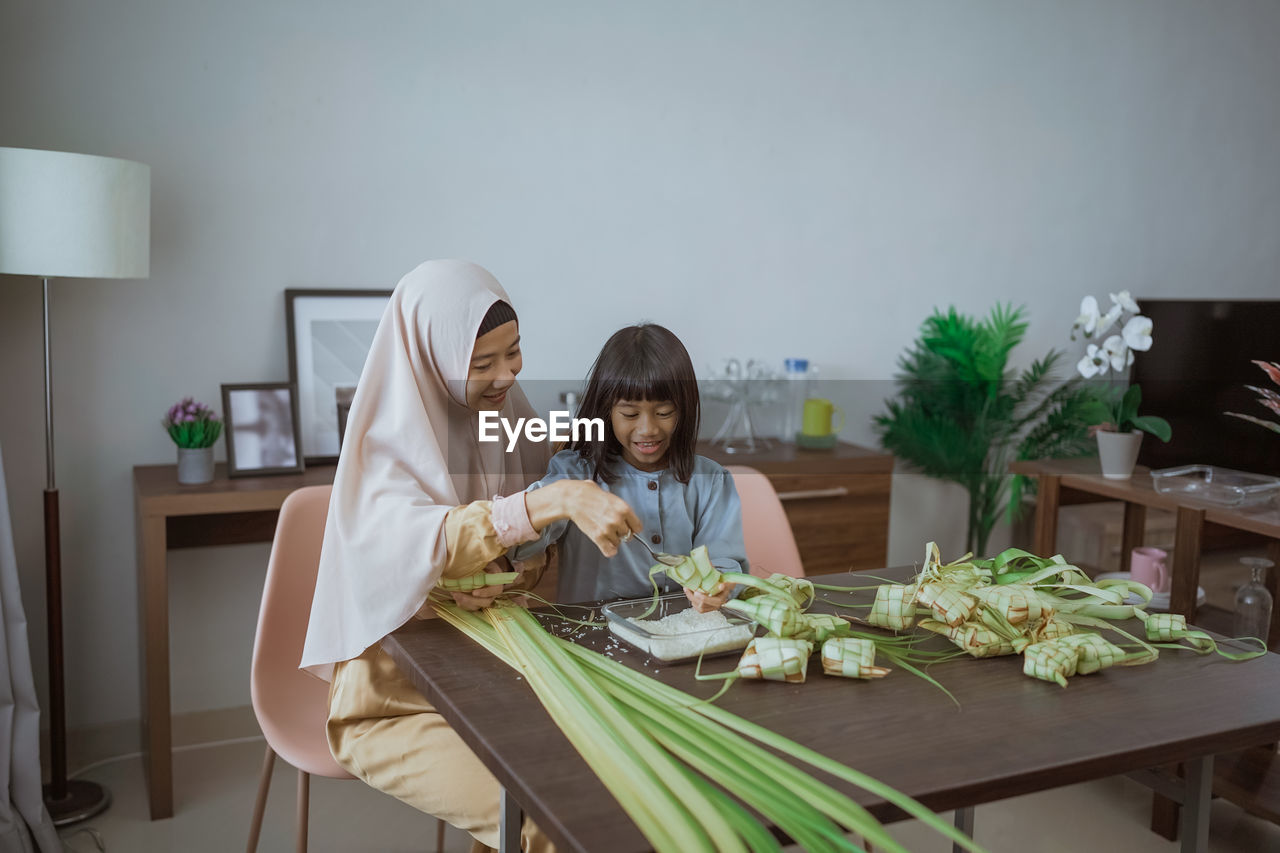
(851, 657)
(949, 604)
(894, 607)
(776, 659)
(973, 638)
(1017, 603)
(1094, 653)
(1050, 661)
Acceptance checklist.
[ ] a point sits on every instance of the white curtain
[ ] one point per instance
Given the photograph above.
(25, 826)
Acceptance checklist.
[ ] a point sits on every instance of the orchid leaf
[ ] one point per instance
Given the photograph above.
(1158, 427)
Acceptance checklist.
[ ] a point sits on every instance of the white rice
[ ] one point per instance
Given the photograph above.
(686, 634)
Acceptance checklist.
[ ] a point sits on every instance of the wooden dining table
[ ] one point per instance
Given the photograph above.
(1004, 735)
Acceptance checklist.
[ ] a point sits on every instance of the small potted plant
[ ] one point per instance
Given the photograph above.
(1118, 426)
(194, 427)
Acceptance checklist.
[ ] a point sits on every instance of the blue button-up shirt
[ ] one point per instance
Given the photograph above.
(703, 511)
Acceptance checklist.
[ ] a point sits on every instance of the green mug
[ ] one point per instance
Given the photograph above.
(816, 421)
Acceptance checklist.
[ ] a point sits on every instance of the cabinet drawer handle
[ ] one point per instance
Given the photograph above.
(810, 494)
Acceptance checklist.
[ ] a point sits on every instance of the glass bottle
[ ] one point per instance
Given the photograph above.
(570, 400)
(794, 393)
(1253, 602)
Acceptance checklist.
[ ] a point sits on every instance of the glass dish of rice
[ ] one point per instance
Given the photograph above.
(674, 631)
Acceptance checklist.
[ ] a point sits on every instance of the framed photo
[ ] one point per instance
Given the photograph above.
(330, 332)
(262, 429)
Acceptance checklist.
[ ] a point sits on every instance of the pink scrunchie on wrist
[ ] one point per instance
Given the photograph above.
(511, 520)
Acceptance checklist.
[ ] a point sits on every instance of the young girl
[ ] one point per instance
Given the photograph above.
(642, 386)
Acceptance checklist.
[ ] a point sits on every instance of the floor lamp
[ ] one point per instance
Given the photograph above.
(72, 216)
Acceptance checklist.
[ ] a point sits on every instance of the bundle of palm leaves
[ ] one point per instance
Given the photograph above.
(962, 415)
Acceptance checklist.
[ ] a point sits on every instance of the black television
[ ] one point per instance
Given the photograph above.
(1198, 367)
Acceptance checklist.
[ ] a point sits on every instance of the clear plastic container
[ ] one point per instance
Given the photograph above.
(686, 645)
(794, 392)
(1216, 485)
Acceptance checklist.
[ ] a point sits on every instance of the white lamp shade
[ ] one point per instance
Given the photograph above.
(74, 215)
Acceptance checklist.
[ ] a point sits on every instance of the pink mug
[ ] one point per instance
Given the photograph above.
(1150, 566)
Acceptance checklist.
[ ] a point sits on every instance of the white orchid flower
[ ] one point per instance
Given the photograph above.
(1137, 333)
(1120, 355)
(1125, 302)
(1087, 322)
(1108, 320)
(1094, 363)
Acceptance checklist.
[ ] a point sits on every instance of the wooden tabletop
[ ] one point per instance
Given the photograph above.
(1011, 734)
(156, 488)
(1084, 474)
(782, 458)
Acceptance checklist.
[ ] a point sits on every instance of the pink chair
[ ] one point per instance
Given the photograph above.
(292, 706)
(771, 546)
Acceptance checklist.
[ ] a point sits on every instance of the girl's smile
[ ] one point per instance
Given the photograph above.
(643, 429)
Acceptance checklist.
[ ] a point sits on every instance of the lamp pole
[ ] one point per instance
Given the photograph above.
(56, 791)
(80, 216)
(68, 801)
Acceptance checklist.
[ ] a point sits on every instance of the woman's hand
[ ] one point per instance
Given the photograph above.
(706, 602)
(605, 518)
(482, 597)
(477, 599)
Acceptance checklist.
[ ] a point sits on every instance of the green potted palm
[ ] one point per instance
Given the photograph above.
(962, 415)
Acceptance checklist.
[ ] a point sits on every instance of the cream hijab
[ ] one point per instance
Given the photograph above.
(410, 453)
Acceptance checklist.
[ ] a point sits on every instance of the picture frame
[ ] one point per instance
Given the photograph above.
(329, 334)
(262, 430)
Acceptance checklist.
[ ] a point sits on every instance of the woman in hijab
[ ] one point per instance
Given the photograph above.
(416, 498)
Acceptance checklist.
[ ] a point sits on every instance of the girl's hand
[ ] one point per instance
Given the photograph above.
(705, 602)
(605, 518)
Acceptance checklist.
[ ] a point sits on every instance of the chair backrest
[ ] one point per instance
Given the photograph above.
(771, 546)
(291, 705)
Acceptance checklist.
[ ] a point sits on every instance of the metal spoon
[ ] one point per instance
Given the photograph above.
(666, 559)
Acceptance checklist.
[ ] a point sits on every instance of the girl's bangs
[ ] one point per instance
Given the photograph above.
(651, 383)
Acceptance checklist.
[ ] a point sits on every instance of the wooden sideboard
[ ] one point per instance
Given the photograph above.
(1249, 778)
(1081, 478)
(836, 500)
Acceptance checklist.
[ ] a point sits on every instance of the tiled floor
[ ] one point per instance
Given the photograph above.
(215, 789)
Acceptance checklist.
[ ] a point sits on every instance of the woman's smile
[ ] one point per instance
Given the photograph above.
(495, 361)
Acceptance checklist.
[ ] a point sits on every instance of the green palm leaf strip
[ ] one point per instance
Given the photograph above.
(675, 762)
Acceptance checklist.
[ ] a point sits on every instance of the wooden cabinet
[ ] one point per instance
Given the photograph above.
(836, 500)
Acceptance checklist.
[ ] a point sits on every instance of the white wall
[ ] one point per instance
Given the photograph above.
(767, 178)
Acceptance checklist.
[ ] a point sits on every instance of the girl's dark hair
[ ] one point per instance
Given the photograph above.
(641, 362)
